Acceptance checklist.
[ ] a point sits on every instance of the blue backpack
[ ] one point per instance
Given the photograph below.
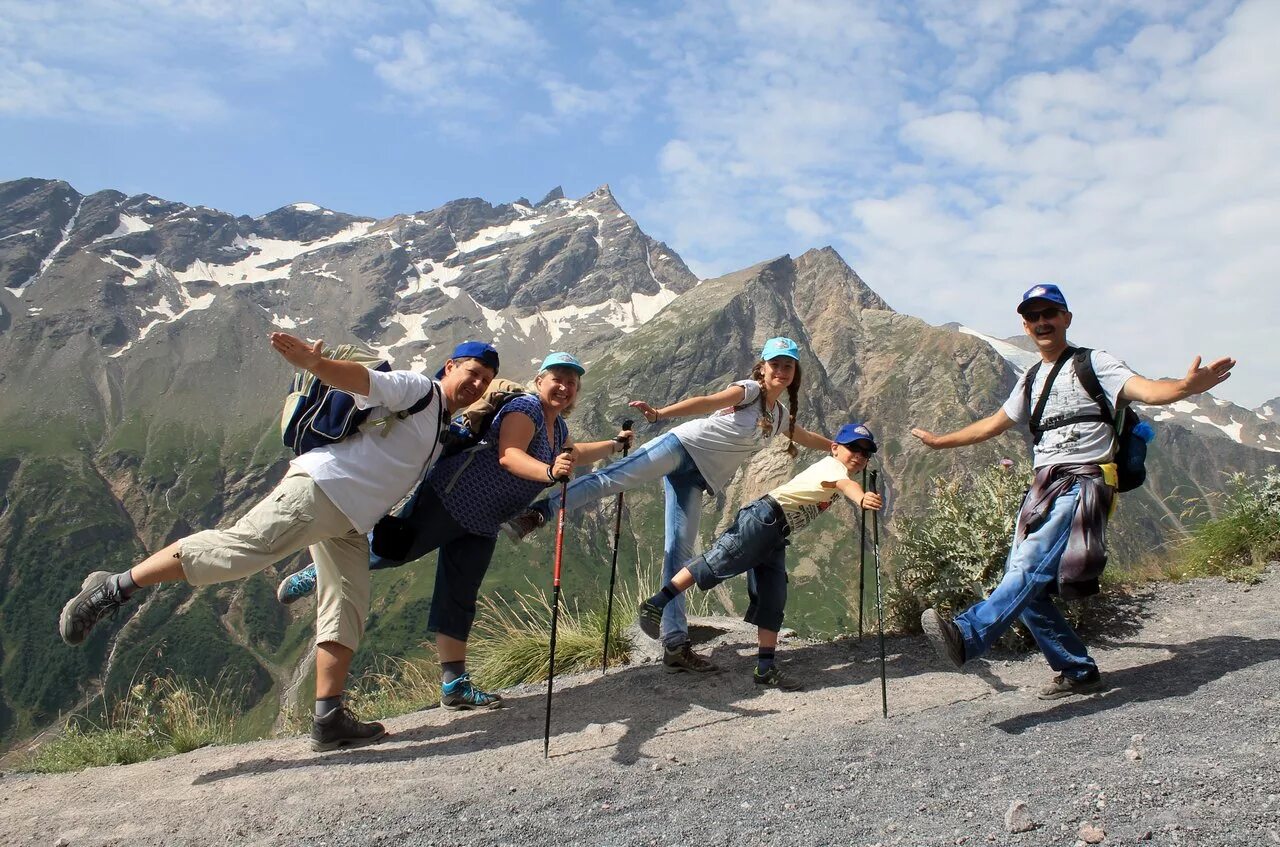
(316, 414)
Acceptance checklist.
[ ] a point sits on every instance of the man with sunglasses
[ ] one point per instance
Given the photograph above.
(1059, 541)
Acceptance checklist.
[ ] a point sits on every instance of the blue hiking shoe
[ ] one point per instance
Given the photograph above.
(460, 695)
(301, 584)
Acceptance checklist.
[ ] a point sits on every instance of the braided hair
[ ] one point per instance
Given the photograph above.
(793, 402)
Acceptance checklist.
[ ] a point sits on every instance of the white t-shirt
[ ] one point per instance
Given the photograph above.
(720, 443)
(803, 498)
(1092, 442)
(367, 474)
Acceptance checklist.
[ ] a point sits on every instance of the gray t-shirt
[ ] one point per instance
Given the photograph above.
(720, 443)
(1092, 442)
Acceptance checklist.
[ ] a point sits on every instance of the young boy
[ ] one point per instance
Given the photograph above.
(756, 545)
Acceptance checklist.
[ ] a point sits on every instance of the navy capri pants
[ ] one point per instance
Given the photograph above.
(755, 544)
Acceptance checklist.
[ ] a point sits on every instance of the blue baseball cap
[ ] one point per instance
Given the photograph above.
(852, 433)
(1043, 291)
(562, 360)
(474, 350)
(780, 346)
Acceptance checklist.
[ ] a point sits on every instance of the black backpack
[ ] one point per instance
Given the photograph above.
(1131, 448)
(470, 426)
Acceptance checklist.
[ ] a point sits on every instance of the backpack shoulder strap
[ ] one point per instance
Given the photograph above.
(1038, 413)
(424, 401)
(1083, 364)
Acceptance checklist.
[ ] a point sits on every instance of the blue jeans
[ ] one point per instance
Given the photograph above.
(755, 544)
(1030, 572)
(663, 457)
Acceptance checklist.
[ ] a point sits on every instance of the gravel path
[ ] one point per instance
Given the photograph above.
(1182, 748)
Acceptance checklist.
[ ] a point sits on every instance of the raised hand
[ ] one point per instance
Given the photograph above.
(926, 437)
(297, 352)
(1200, 379)
(650, 414)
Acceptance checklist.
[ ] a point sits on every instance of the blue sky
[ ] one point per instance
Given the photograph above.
(954, 153)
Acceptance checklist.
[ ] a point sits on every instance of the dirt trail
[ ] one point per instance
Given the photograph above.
(1183, 747)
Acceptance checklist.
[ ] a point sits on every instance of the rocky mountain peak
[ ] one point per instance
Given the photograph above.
(551, 196)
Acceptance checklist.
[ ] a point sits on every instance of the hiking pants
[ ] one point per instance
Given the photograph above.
(754, 544)
(683, 485)
(1024, 594)
(296, 514)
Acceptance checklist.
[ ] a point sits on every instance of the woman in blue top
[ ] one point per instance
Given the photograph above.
(696, 456)
(466, 497)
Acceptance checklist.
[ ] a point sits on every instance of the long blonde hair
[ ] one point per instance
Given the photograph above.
(793, 402)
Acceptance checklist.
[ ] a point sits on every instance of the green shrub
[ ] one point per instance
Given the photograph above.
(1243, 537)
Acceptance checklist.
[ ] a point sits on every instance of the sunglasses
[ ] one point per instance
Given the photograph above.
(1049, 313)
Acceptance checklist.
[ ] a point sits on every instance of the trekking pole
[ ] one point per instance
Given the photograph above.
(862, 556)
(613, 572)
(875, 541)
(560, 550)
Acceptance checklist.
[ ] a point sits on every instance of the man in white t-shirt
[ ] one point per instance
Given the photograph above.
(1059, 545)
(329, 499)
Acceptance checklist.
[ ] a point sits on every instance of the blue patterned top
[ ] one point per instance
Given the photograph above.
(478, 492)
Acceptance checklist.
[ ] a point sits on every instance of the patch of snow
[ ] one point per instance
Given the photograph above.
(48, 260)
(1016, 356)
(128, 224)
(1262, 436)
(492, 317)
(1163, 415)
(439, 277)
(1232, 429)
(35, 310)
(1184, 406)
(505, 232)
(154, 202)
(1221, 402)
(19, 234)
(168, 314)
(306, 207)
(286, 322)
(269, 252)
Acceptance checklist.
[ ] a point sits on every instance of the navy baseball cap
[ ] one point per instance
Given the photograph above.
(1043, 291)
(562, 360)
(852, 433)
(474, 350)
(780, 346)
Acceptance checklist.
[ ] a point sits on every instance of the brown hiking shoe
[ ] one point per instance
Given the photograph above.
(1064, 686)
(682, 658)
(945, 637)
(523, 524)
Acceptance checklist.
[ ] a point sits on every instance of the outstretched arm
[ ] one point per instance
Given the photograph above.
(853, 491)
(812, 440)
(342, 375)
(1158, 392)
(594, 451)
(978, 431)
(701, 405)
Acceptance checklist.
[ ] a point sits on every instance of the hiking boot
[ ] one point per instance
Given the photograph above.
(650, 619)
(945, 637)
(682, 658)
(99, 596)
(775, 678)
(523, 524)
(1064, 686)
(340, 728)
(296, 586)
(460, 696)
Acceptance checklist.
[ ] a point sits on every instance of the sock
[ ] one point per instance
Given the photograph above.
(668, 593)
(764, 659)
(325, 705)
(449, 671)
(124, 584)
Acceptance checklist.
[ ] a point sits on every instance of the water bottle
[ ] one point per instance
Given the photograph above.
(1145, 431)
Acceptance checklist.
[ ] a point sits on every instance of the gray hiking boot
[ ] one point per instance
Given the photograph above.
(1064, 686)
(650, 619)
(945, 637)
(682, 659)
(99, 597)
(340, 728)
(774, 678)
(523, 524)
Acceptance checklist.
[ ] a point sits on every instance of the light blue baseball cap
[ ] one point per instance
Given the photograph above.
(780, 346)
(562, 360)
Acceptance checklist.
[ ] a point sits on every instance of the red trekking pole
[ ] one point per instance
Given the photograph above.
(613, 573)
(555, 608)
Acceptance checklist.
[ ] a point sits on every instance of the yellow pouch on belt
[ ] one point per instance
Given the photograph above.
(1111, 476)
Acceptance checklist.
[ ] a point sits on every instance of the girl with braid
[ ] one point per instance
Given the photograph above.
(696, 456)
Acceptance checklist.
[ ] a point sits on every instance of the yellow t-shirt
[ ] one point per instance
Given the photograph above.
(803, 498)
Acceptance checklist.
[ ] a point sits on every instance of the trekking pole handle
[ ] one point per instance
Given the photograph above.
(626, 427)
(563, 451)
(872, 486)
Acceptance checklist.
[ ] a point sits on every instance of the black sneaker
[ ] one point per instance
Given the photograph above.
(98, 598)
(650, 619)
(523, 524)
(1064, 686)
(340, 728)
(682, 659)
(775, 678)
(945, 637)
